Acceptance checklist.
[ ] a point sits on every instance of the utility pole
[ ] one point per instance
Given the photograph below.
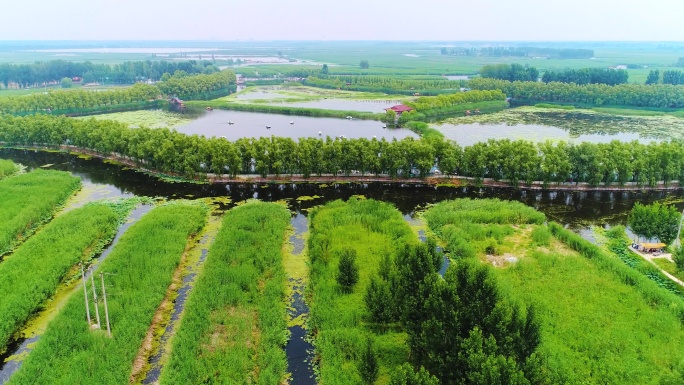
(97, 312)
(104, 296)
(679, 230)
(85, 294)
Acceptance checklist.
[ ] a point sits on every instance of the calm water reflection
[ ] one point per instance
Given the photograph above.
(469, 134)
(577, 209)
(254, 125)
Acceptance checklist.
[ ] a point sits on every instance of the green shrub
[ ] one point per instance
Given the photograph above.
(541, 236)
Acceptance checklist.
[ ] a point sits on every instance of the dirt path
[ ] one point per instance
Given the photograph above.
(650, 259)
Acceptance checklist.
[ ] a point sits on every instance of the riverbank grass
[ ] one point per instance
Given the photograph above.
(7, 168)
(586, 309)
(139, 273)
(28, 200)
(338, 319)
(234, 326)
(34, 271)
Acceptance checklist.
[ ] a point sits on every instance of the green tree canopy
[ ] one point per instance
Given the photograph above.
(654, 221)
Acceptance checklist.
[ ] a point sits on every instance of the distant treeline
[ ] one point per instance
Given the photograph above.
(385, 84)
(551, 53)
(83, 101)
(673, 77)
(680, 62)
(510, 72)
(168, 151)
(587, 76)
(636, 95)
(125, 73)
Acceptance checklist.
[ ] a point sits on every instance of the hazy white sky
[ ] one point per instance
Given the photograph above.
(342, 20)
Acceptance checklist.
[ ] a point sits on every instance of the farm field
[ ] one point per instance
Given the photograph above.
(234, 326)
(30, 199)
(33, 272)
(139, 272)
(595, 328)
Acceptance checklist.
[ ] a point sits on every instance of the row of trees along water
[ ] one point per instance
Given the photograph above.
(587, 76)
(386, 84)
(518, 72)
(636, 95)
(668, 77)
(24, 75)
(83, 101)
(194, 156)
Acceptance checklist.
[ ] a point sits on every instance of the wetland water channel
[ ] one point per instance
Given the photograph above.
(12, 359)
(577, 209)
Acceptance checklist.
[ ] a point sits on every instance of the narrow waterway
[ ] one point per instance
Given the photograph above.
(157, 359)
(577, 209)
(298, 350)
(11, 360)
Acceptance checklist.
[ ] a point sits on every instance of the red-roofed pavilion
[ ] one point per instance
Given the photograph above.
(399, 108)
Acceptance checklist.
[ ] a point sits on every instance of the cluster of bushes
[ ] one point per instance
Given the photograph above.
(7, 168)
(510, 72)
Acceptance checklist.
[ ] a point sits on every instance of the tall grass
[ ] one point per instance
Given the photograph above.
(373, 229)
(30, 199)
(594, 329)
(35, 270)
(474, 226)
(651, 292)
(7, 168)
(234, 327)
(141, 265)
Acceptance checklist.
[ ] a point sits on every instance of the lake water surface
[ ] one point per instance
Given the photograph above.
(254, 125)
(471, 133)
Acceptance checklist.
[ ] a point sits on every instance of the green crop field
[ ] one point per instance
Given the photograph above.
(234, 327)
(30, 199)
(141, 267)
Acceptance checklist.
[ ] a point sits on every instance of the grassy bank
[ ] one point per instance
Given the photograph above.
(234, 327)
(30, 199)
(586, 302)
(372, 229)
(31, 275)
(141, 266)
(7, 168)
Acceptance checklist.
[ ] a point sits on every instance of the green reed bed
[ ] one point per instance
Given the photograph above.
(338, 320)
(141, 265)
(234, 327)
(595, 329)
(596, 326)
(7, 168)
(30, 199)
(31, 275)
(654, 291)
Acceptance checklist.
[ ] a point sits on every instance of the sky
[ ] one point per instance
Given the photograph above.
(444, 20)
